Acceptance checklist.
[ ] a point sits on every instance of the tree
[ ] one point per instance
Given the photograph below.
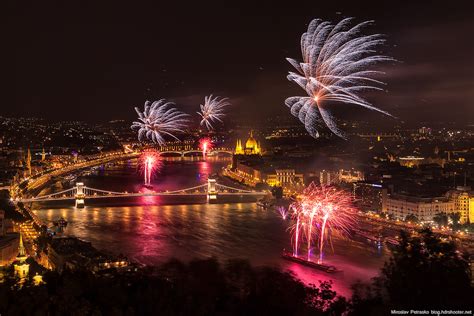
(261, 186)
(455, 218)
(441, 219)
(411, 218)
(423, 272)
(391, 217)
(200, 287)
(277, 192)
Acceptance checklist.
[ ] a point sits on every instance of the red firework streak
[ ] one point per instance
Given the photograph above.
(320, 211)
(205, 144)
(150, 162)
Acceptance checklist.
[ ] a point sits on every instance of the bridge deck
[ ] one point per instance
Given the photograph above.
(89, 197)
(82, 192)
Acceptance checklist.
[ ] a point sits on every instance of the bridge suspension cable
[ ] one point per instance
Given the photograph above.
(80, 192)
(235, 189)
(105, 191)
(57, 193)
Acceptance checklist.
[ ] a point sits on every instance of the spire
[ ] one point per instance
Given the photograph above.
(20, 265)
(21, 248)
(43, 155)
(28, 161)
(238, 147)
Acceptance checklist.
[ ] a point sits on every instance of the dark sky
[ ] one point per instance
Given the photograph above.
(94, 62)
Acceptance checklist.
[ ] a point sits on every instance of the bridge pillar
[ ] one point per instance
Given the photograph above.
(211, 190)
(80, 195)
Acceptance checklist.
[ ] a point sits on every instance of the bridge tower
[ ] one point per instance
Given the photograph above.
(28, 162)
(80, 195)
(211, 189)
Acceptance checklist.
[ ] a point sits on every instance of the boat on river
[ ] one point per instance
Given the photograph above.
(262, 204)
(320, 266)
(61, 222)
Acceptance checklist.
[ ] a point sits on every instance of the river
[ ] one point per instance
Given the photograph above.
(152, 230)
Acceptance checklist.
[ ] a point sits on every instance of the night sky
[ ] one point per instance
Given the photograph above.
(96, 62)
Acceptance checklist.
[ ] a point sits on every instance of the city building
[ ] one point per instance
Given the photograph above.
(425, 131)
(73, 253)
(410, 161)
(350, 176)
(254, 171)
(463, 199)
(176, 145)
(252, 147)
(286, 178)
(368, 196)
(424, 208)
(249, 172)
(8, 242)
(28, 162)
(8, 248)
(328, 177)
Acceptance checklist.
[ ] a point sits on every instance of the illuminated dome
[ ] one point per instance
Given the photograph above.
(252, 147)
(251, 142)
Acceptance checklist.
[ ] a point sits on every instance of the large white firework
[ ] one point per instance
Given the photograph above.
(212, 110)
(159, 119)
(335, 68)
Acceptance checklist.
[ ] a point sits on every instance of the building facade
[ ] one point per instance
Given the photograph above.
(252, 147)
(327, 177)
(9, 242)
(425, 209)
(368, 196)
(286, 178)
(463, 199)
(350, 175)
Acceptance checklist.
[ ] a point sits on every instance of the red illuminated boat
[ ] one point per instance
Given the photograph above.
(320, 266)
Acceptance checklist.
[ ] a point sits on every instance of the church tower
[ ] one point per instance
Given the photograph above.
(238, 148)
(28, 162)
(43, 155)
(20, 266)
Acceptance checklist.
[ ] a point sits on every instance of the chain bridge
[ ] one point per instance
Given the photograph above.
(80, 193)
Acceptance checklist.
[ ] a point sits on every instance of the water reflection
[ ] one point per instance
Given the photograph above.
(154, 234)
(151, 233)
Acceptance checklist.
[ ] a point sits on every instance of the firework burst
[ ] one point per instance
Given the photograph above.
(159, 119)
(212, 110)
(150, 164)
(335, 68)
(205, 144)
(283, 211)
(320, 211)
